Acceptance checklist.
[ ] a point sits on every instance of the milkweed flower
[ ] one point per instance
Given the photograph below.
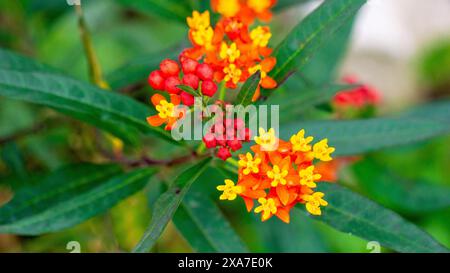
(280, 174)
(167, 112)
(233, 49)
(358, 97)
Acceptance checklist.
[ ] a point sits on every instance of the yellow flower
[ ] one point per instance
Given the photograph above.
(203, 37)
(300, 143)
(267, 207)
(261, 36)
(228, 8)
(230, 191)
(267, 140)
(322, 151)
(231, 53)
(199, 21)
(307, 177)
(277, 175)
(251, 164)
(252, 70)
(165, 109)
(259, 5)
(314, 201)
(232, 73)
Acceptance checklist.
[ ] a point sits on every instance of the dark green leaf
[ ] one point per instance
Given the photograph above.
(189, 90)
(247, 91)
(292, 106)
(310, 34)
(170, 9)
(168, 203)
(136, 71)
(284, 4)
(359, 136)
(399, 193)
(56, 187)
(76, 208)
(204, 226)
(356, 215)
(120, 115)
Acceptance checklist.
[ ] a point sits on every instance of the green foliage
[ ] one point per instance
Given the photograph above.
(204, 226)
(167, 204)
(310, 56)
(307, 37)
(393, 191)
(354, 214)
(377, 133)
(29, 81)
(247, 91)
(49, 208)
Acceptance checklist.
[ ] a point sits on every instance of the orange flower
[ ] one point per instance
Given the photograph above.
(282, 174)
(234, 52)
(167, 112)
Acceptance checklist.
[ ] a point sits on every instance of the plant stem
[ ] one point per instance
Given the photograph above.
(222, 91)
(95, 70)
(233, 162)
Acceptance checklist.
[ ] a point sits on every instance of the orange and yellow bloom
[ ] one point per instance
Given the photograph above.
(281, 174)
(167, 112)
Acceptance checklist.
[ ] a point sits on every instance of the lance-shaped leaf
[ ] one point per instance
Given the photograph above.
(396, 192)
(351, 213)
(310, 34)
(60, 210)
(249, 88)
(359, 136)
(204, 226)
(189, 90)
(167, 204)
(24, 79)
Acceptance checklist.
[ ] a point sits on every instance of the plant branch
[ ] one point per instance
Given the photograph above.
(95, 70)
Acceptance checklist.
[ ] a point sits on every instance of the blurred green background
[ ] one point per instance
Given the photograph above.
(127, 38)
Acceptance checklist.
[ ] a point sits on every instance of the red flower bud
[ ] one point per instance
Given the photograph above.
(234, 144)
(169, 68)
(223, 153)
(245, 134)
(210, 140)
(188, 65)
(156, 80)
(209, 88)
(191, 80)
(187, 99)
(204, 72)
(171, 84)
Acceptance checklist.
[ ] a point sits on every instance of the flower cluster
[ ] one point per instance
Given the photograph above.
(227, 135)
(168, 78)
(279, 174)
(234, 51)
(358, 97)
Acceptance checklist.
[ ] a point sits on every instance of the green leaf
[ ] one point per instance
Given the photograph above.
(284, 4)
(310, 34)
(122, 116)
(169, 9)
(352, 137)
(136, 71)
(248, 89)
(204, 226)
(354, 214)
(168, 203)
(76, 208)
(403, 195)
(54, 188)
(189, 90)
(292, 106)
